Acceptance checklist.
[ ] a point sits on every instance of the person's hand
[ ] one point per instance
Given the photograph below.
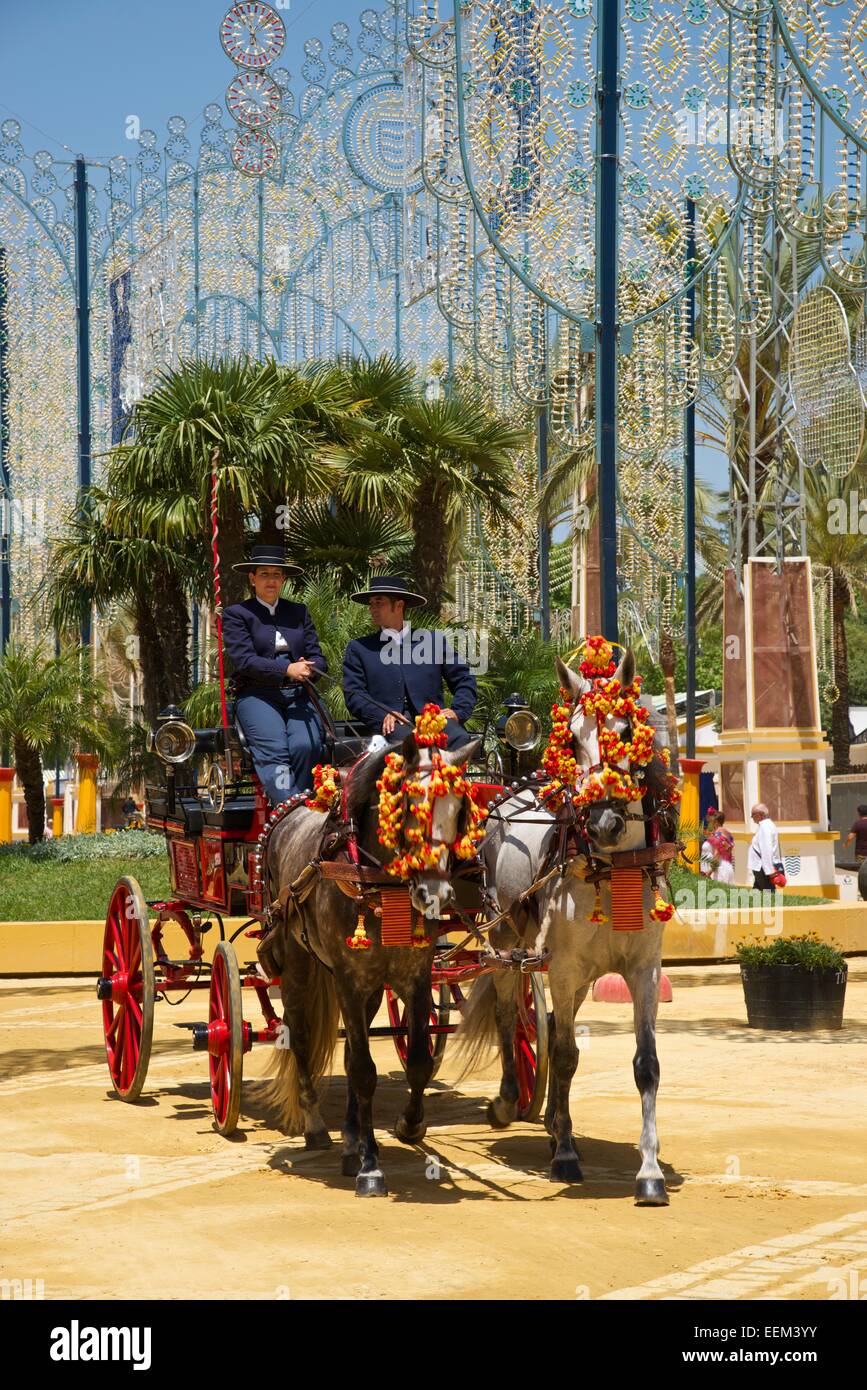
(449, 714)
(392, 719)
(300, 670)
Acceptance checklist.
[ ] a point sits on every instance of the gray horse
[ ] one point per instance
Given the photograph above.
(519, 836)
(321, 978)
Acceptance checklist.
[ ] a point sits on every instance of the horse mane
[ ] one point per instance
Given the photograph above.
(656, 774)
(361, 783)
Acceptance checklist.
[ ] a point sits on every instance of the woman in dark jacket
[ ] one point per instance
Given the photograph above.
(274, 648)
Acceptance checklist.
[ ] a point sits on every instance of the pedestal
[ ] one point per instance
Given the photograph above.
(772, 748)
(85, 820)
(690, 814)
(7, 776)
(57, 815)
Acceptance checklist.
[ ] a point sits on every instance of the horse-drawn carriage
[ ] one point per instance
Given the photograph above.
(215, 818)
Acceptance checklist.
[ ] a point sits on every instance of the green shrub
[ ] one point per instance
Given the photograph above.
(69, 849)
(807, 951)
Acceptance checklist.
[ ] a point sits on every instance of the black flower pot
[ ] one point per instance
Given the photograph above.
(793, 998)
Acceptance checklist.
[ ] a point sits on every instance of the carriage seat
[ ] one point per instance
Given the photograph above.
(345, 745)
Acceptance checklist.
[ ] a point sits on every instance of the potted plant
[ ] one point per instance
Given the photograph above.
(793, 983)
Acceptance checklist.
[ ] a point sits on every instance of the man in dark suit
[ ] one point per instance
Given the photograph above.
(403, 669)
(275, 651)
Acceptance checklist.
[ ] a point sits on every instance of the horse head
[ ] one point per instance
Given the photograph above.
(438, 812)
(612, 821)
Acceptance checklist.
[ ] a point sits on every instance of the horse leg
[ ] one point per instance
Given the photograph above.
(369, 1181)
(350, 1159)
(563, 1059)
(504, 1108)
(297, 983)
(411, 1127)
(644, 986)
(551, 1103)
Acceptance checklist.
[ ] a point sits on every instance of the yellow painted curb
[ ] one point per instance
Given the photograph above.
(75, 948)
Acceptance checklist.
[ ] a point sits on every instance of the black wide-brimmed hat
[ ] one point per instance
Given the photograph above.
(390, 586)
(267, 555)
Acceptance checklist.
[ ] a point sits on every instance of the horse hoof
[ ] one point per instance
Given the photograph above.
(350, 1165)
(370, 1185)
(410, 1136)
(566, 1169)
(317, 1139)
(495, 1119)
(650, 1192)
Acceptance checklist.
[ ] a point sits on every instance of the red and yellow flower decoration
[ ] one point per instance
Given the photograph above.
(406, 807)
(325, 788)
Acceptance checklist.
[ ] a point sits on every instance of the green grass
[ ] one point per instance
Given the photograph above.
(56, 892)
(684, 884)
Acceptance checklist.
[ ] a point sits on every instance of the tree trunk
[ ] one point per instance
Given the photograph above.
(668, 661)
(840, 707)
(28, 767)
(162, 623)
(431, 549)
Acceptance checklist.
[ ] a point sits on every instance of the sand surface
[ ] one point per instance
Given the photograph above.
(763, 1144)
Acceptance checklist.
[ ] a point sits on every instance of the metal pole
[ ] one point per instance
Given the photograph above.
(260, 286)
(689, 497)
(197, 289)
(5, 477)
(82, 283)
(544, 534)
(608, 97)
(397, 244)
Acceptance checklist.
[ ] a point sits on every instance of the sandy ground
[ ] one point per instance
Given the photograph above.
(763, 1143)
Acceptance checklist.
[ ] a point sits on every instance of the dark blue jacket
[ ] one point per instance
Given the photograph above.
(249, 634)
(371, 670)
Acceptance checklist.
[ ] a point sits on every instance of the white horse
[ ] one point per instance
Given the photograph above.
(555, 920)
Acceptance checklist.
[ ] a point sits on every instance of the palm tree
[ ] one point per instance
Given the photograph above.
(260, 426)
(96, 564)
(427, 462)
(844, 553)
(47, 706)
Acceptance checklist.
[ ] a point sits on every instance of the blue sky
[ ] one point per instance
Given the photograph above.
(77, 68)
(73, 71)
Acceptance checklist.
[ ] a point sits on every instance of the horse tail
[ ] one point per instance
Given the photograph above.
(477, 1035)
(321, 1023)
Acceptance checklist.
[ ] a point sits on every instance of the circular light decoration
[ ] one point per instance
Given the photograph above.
(254, 152)
(252, 34)
(380, 146)
(253, 98)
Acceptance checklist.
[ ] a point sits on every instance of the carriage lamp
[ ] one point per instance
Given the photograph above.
(174, 740)
(518, 727)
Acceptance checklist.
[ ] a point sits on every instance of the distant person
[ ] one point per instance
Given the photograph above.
(718, 850)
(764, 859)
(858, 833)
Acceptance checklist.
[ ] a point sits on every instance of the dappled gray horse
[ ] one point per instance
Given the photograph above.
(517, 849)
(323, 978)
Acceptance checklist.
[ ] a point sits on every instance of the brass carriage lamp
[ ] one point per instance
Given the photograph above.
(519, 728)
(174, 742)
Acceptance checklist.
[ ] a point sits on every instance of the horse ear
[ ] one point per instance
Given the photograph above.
(570, 680)
(409, 748)
(625, 672)
(462, 756)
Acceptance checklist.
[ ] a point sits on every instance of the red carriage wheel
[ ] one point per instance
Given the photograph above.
(225, 1038)
(439, 1018)
(126, 988)
(531, 1046)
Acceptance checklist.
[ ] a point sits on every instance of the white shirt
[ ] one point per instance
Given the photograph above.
(393, 634)
(280, 643)
(765, 848)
